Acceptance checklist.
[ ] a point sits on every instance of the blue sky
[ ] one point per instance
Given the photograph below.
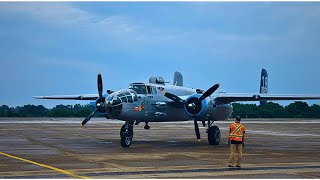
(52, 48)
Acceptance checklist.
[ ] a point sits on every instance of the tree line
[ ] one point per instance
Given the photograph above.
(297, 109)
(41, 111)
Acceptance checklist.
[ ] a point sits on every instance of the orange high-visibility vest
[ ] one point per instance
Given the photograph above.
(237, 132)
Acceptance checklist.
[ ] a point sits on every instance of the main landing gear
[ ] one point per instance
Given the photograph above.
(126, 134)
(214, 134)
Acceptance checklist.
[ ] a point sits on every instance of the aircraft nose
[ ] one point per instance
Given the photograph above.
(114, 105)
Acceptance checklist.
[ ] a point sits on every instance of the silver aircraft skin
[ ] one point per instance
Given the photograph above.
(157, 101)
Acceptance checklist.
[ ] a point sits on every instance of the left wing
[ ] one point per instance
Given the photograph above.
(70, 97)
(230, 97)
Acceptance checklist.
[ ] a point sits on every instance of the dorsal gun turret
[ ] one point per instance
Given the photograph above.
(156, 80)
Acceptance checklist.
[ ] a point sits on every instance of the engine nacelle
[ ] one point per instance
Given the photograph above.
(194, 108)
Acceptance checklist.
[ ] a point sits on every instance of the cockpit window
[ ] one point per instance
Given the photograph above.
(110, 97)
(130, 99)
(125, 95)
(151, 89)
(124, 99)
(138, 88)
(116, 101)
(133, 94)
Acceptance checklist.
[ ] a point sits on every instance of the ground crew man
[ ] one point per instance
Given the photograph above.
(236, 141)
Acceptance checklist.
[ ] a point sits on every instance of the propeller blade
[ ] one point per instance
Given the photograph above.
(196, 129)
(209, 91)
(88, 118)
(173, 97)
(100, 85)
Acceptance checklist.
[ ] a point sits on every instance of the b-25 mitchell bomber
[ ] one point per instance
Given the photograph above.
(157, 101)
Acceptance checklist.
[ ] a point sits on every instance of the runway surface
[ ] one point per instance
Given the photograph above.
(60, 148)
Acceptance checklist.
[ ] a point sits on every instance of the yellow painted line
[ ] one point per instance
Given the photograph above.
(45, 166)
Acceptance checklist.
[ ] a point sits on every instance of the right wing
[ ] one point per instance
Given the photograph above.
(70, 97)
(230, 97)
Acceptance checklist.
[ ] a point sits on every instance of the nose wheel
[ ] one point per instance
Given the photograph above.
(126, 134)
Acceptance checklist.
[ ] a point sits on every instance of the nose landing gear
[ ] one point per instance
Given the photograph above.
(126, 134)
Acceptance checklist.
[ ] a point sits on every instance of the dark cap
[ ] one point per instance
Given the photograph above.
(238, 118)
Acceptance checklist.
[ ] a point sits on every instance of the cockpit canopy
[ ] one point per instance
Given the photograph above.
(125, 95)
(141, 88)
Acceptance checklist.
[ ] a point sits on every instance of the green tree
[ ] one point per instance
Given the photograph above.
(272, 110)
(298, 109)
(314, 111)
(245, 110)
(31, 111)
(4, 111)
(61, 111)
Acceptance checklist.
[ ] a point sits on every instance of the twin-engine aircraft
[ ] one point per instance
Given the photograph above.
(157, 101)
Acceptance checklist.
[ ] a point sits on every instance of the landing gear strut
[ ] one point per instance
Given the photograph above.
(146, 126)
(214, 134)
(126, 134)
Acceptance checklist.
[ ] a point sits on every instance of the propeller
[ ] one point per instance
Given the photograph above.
(196, 129)
(173, 97)
(209, 91)
(88, 118)
(193, 104)
(99, 101)
(99, 82)
(203, 96)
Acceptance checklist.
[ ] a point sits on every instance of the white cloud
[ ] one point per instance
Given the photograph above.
(119, 27)
(66, 15)
(127, 33)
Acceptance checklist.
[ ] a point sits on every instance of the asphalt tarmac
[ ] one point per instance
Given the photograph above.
(60, 148)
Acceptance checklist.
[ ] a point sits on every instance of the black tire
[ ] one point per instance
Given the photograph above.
(130, 129)
(214, 135)
(126, 139)
(122, 130)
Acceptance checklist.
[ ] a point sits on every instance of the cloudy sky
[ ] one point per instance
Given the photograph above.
(58, 48)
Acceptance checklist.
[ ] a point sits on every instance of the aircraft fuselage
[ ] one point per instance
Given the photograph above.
(148, 104)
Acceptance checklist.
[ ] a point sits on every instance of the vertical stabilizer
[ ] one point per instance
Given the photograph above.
(177, 79)
(263, 85)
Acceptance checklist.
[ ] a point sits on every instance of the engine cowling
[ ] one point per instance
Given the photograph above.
(195, 108)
